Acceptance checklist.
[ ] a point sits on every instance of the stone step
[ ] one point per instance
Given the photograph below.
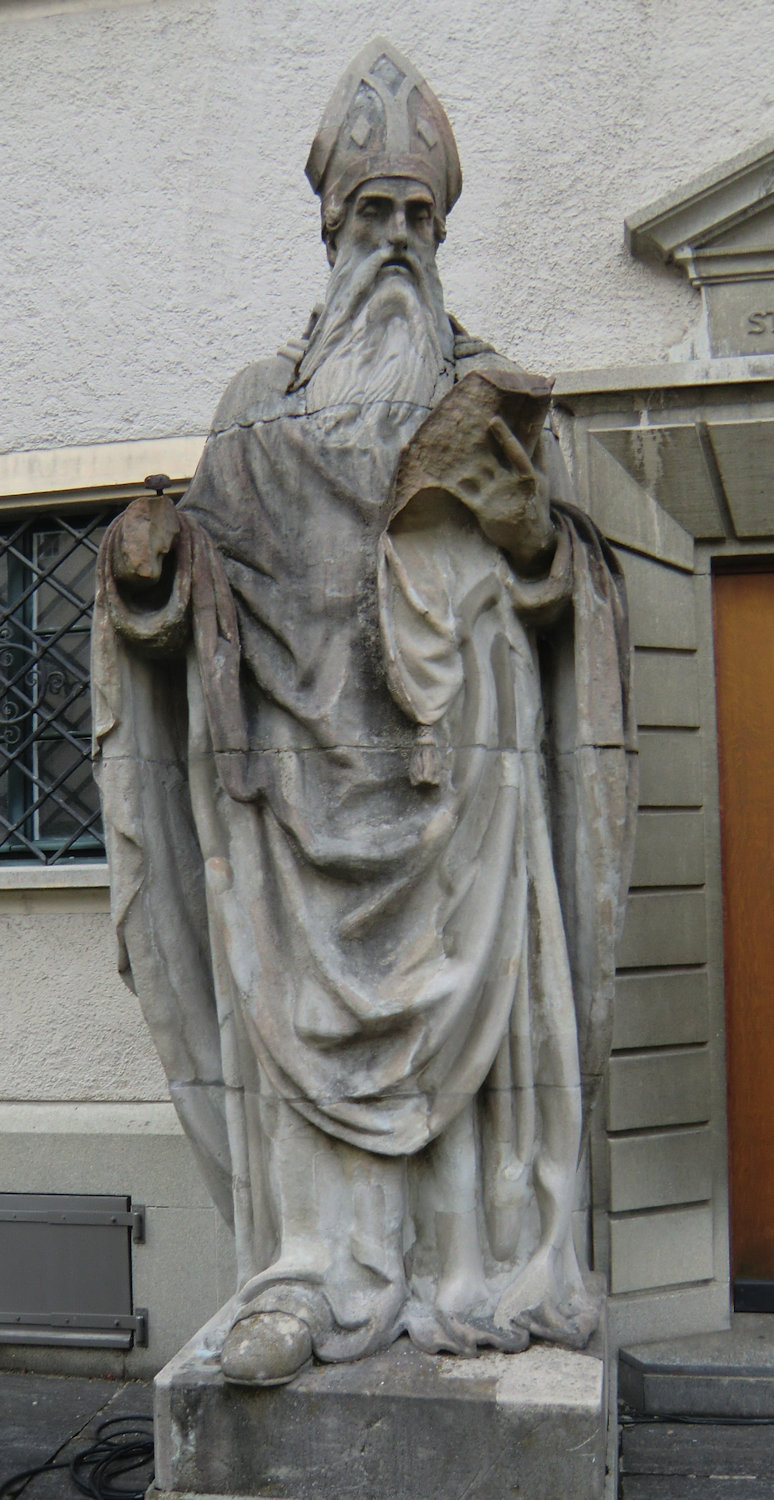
(729, 1373)
(696, 1487)
(689, 1448)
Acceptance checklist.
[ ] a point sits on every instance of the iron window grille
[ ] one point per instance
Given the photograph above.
(49, 808)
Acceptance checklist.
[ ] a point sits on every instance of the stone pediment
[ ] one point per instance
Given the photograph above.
(719, 230)
(726, 214)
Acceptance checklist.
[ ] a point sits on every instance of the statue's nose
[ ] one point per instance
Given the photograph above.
(398, 234)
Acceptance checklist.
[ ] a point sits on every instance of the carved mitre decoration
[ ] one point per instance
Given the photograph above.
(382, 121)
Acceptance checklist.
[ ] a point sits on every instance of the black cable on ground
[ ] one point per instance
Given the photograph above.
(123, 1445)
(645, 1419)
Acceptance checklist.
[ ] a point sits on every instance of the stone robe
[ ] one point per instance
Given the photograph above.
(367, 796)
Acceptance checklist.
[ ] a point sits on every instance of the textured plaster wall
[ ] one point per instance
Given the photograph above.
(71, 1029)
(158, 231)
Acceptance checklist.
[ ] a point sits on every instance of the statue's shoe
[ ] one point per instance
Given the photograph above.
(266, 1348)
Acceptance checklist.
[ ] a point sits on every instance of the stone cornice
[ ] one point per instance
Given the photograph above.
(94, 472)
(712, 227)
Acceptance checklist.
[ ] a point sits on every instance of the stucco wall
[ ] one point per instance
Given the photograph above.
(159, 231)
(71, 1028)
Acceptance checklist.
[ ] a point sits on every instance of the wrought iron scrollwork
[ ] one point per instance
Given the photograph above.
(23, 693)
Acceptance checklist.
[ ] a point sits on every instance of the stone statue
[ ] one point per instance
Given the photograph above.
(362, 730)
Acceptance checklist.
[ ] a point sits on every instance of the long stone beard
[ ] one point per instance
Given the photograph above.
(382, 350)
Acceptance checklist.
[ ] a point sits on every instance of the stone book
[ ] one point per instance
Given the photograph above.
(456, 440)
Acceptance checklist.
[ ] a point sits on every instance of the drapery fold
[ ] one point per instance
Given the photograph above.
(311, 922)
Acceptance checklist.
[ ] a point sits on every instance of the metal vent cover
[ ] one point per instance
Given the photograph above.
(66, 1270)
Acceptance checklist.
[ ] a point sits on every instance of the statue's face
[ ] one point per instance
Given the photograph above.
(383, 335)
(392, 214)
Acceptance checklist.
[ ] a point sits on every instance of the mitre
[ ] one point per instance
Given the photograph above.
(382, 121)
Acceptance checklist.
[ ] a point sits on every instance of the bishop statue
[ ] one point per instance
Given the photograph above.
(363, 737)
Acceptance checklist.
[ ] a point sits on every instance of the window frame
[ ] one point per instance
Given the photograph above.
(99, 476)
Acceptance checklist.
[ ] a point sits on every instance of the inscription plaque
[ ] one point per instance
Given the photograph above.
(740, 317)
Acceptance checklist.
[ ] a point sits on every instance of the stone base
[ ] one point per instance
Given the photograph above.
(398, 1426)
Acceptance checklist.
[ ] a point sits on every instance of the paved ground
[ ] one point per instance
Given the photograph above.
(48, 1416)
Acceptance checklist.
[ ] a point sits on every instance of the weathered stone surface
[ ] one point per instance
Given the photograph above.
(693, 1448)
(669, 462)
(669, 849)
(397, 1426)
(745, 452)
(666, 689)
(659, 1168)
(661, 1249)
(659, 1088)
(668, 1007)
(739, 316)
(629, 515)
(662, 605)
(670, 769)
(724, 1375)
(728, 1373)
(369, 847)
(664, 927)
(694, 1487)
(718, 229)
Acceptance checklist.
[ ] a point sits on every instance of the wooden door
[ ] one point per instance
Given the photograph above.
(744, 658)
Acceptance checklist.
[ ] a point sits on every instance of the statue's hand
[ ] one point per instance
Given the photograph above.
(513, 507)
(146, 535)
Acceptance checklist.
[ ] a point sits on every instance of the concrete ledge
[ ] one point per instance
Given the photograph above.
(80, 874)
(401, 1424)
(667, 375)
(86, 1117)
(95, 466)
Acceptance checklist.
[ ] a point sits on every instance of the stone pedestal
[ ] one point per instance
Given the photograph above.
(398, 1426)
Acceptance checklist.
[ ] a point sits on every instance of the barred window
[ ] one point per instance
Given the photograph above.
(55, 505)
(49, 809)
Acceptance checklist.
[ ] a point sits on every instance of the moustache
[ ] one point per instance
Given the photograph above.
(362, 277)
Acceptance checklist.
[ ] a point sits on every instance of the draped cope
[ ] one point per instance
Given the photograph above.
(368, 801)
